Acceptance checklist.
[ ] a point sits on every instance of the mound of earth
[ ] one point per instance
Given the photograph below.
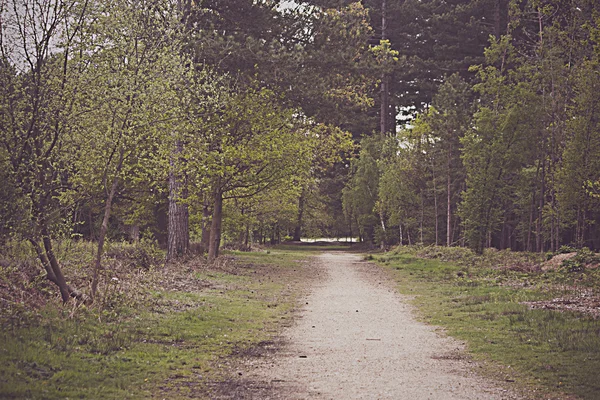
(555, 262)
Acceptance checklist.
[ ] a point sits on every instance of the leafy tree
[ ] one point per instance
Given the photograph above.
(580, 161)
(447, 120)
(328, 148)
(500, 143)
(316, 58)
(400, 189)
(36, 41)
(361, 193)
(127, 100)
(249, 150)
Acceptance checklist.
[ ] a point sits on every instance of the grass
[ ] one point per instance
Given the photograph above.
(165, 333)
(173, 333)
(481, 304)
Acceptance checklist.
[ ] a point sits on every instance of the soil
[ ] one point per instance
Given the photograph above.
(356, 338)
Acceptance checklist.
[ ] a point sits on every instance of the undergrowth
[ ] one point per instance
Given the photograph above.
(155, 330)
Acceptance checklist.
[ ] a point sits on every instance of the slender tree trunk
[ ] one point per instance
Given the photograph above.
(435, 203)
(530, 226)
(539, 234)
(247, 243)
(382, 220)
(206, 214)
(383, 125)
(422, 216)
(456, 229)
(298, 227)
(102, 235)
(65, 289)
(178, 240)
(449, 200)
(134, 233)
(215, 228)
(400, 229)
(44, 260)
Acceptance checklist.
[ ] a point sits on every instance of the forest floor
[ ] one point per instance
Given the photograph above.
(303, 321)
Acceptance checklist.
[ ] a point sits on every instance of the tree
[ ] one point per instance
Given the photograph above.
(447, 121)
(580, 163)
(360, 194)
(399, 188)
(127, 101)
(329, 150)
(317, 59)
(36, 43)
(500, 143)
(249, 151)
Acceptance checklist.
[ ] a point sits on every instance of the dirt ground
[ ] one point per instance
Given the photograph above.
(356, 338)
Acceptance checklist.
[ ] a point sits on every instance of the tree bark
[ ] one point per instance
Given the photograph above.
(66, 291)
(449, 199)
(102, 235)
(178, 239)
(298, 227)
(497, 31)
(52, 267)
(215, 228)
(134, 233)
(435, 203)
(383, 125)
(401, 236)
(383, 229)
(206, 214)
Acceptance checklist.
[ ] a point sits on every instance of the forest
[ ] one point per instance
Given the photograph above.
(195, 125)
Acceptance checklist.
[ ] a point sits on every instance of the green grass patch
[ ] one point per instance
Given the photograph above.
(169, 343)
(482, 305)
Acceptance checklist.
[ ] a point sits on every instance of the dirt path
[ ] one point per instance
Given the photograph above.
(356, 339)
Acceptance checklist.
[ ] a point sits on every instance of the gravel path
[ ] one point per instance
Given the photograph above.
(356, 339)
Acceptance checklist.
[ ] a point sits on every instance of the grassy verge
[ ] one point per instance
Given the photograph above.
(545, 353)
(157, 332)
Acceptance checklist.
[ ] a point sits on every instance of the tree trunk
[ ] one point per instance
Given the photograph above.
(401, 238)
(65, 289)
(53, 270)
(134, 233)
(422, 216)
(539, 238)
(206, 213)
(382, 220)
(102, 235)
(215, 228)
(449, 200)
(178, 239)
(275, 235)
(298, 227)
(435, 203)
(383, 126)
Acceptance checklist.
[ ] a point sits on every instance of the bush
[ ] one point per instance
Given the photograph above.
(583, 258)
